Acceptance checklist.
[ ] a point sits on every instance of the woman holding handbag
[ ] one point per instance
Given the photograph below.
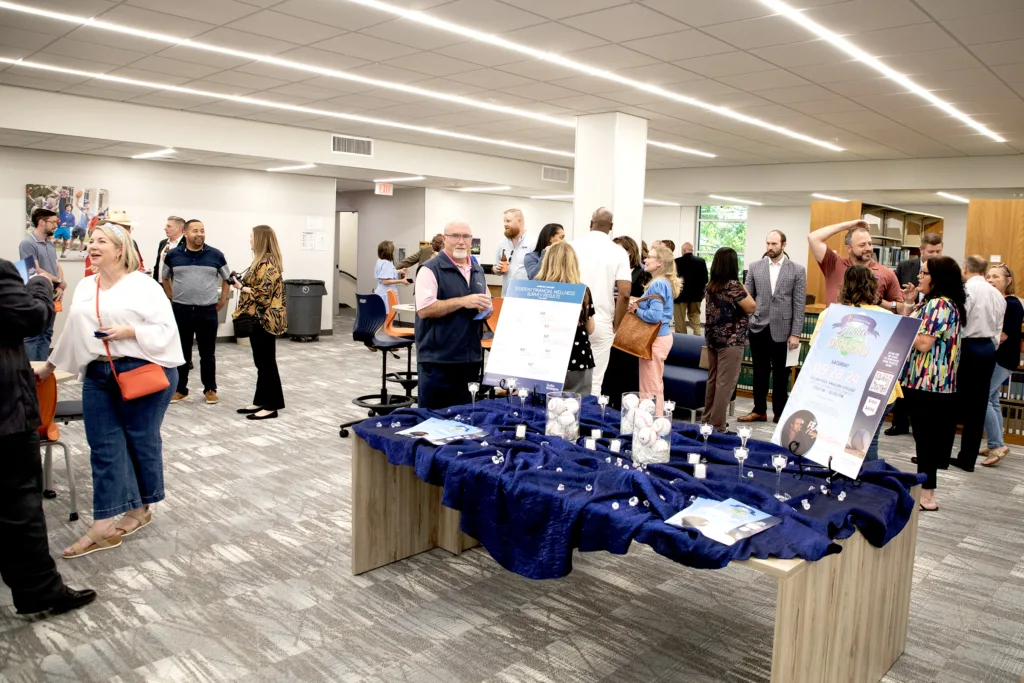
(121, 339)
(261, 316)
(655, 306)
(727, 306)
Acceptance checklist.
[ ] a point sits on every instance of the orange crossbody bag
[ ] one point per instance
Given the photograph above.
(142, 381)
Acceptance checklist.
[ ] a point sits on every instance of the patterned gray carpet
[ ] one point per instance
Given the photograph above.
(244, 573)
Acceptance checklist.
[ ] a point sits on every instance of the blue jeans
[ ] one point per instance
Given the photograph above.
(872, 453)
(124, 437)
(38, 347)
(994, 414)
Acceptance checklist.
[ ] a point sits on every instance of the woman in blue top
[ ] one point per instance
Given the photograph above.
(552, 233)
(387, 275)
(666, 285)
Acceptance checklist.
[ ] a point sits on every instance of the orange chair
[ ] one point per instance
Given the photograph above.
(49, 436)
(492, 322)
(389, 320)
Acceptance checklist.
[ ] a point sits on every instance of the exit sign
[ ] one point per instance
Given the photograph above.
(385, 189)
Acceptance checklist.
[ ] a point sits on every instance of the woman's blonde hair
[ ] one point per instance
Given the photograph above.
(667, 270)
(1011, 287)
(121, 239)
(560, 264)
(265, 246)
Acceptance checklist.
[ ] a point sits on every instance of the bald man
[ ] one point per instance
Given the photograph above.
(604, 267)
(693, 271)
(450, 291)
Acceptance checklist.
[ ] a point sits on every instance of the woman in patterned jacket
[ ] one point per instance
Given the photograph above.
(262, 296)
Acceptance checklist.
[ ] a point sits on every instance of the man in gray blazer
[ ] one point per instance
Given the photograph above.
(779, 287)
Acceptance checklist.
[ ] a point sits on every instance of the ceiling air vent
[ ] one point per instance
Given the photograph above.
(344, 144)
(554, 174)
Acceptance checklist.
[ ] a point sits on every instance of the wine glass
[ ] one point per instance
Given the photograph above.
(744, 433)
(705, 431)
(741, 454)
(602, 401)
(474, 387)
(779, 462)
(522, 393)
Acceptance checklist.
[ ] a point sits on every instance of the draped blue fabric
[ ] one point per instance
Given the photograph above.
(516, 511)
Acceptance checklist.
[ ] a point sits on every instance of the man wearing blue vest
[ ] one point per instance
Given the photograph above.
(450, 293)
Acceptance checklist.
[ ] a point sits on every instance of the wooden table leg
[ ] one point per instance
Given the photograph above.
(396, 515)
(844, 618)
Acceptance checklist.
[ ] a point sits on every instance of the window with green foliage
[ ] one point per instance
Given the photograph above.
(721, 226)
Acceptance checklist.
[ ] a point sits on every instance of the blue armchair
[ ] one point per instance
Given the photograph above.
(685, 381)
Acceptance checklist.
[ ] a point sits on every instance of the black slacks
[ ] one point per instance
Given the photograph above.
(269, 394)
(25, 562)
(445, 384)
(900, 416)
(933, 419)
(973, 375)
(199, 322)
(769, 358)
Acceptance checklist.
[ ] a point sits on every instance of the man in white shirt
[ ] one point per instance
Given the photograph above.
(513, 249)
(174, 229)
(604, 267)
(979, 339)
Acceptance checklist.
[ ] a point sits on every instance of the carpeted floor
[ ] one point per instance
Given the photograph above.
(244, 573)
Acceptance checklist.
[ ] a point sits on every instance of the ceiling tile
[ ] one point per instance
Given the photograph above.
(1011, 73)
(160, 22)
(959, 78)
(808, 53)
(484, 55)
(285, 27)
(23, 76)
(26, 22)
(29, 40)
(448, 86)
(705, 88)
(559, 10)
(836, 73)
(301, 90)
(585, 103)
(764, 80)
(174, 67)
(625, 22)
(219, 87)
(633, 96)
(322, 58)
(343, 15)
(355, 102)
(388, 73)
(797, 94)
(727, 64)
(955, 9)
(491, 78)
(763, 32)
(983, 93)
(829, 106)
(860, 16)
(611, 57)
(904, 40)
(660, 74)
(411, 34)
(8, 52)
(867, 87)
(541, 91)
(485, 15)
(932, 61)
(209, 11)
(703, 13)
(679, 45)
(92, 52)
(365, 47)
(432, 64)
(988, 28)
(280, 73)
(240, 40)
(592, 85)
(187, 54)
(246, 80)
(153, 77)
(89, 8)
(553, 37)
(994, 54)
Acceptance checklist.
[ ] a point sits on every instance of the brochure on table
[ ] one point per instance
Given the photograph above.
(842, 391)
(535, 334)
(440, 431)
(725, 521)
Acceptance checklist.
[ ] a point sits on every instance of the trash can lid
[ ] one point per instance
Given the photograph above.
(302, 283)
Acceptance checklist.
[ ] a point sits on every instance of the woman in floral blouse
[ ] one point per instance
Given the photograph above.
(262, 296)
(929, 379)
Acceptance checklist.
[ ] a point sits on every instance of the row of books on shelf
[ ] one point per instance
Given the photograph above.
(1013, 420)
(891, 256)
(1014, 389)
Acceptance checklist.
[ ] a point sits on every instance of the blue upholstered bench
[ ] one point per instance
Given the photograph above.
(684, 380)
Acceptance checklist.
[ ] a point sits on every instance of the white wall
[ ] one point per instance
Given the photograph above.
(676, 223)
(229, 202)
(794, 221)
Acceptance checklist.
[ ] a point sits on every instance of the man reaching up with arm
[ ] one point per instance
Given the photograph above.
(859, 252)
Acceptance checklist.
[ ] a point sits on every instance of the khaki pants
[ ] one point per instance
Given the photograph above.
(691, 311)
(723, 372)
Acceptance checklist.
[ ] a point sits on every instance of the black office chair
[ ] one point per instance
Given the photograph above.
(370, 316)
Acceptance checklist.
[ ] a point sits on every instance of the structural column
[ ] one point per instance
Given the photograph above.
(611, 168)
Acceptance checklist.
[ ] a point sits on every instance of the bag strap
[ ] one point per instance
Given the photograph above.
(651, 296)
(110, 358)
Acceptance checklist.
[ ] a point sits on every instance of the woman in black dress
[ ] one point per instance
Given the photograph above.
(623, 372)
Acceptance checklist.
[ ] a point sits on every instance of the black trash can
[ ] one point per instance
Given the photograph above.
(303, 299)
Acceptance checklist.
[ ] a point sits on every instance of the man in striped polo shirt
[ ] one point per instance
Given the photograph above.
(196, 281)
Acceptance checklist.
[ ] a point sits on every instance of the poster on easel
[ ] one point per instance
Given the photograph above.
(535, 335)
(844, 386)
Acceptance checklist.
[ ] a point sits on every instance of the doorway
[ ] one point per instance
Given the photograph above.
(346, 239)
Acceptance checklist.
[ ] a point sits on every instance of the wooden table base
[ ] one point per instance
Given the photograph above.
(842, 619)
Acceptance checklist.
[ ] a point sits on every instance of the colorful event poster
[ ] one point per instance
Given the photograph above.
(844, 386)
(535, 334)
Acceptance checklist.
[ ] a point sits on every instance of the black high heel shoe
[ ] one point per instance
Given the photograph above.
(248, 411)
(268, 416)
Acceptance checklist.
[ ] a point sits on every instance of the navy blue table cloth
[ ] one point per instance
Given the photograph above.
(530, 502)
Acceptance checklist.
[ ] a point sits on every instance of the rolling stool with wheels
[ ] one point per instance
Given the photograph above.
(407, 379)
(370, 316)
(66, 411)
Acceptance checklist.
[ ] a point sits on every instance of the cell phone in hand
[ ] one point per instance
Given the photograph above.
(409, 280)
(100, 335)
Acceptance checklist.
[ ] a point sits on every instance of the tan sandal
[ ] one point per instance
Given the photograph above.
(143, 518)
(99, 543)
(995, 456)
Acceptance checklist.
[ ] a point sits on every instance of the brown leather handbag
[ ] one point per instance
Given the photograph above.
(142, 381)
(636, 336)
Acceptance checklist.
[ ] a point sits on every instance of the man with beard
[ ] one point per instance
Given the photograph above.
(779, 287)
(39, 245)
(451, 291)
(510, 258)
(860, 252)
(196, 281)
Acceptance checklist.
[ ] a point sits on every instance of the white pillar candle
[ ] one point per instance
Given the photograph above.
(693, 458)
(520, 431)
(700, 470)
(615, 445)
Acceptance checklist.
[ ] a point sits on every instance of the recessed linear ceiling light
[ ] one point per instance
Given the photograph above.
(849, 48)
(954, 197)
(735, 199)
(300, 167)
(829, 197)
(405, 179)
(320, 71)
(157, 154)
(491, 188)
(658, 202)
(553, 196)
(497, 41)
(287, 107)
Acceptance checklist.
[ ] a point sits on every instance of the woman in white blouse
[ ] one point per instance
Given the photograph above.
(124, 436)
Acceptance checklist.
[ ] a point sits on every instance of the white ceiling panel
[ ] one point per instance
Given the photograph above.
(388, 73)
(8, 52)
(491, 78)
(625, 22)
(210, 11)
(332, 13)
(680, 45)
(808, 53)
(72, 63)
(225, 109)
(933, 61)
(565, 8)
(988, 28)
(323, 58)
(994, 54)
(100, 91)
(29, 40)
(541, 91)
(448, 86)
(860, 16)
(278, 73)
(660, 74)
(27, 22)
(612, 57)
(365, 47)
(245, 80)
(586, 103)
(92, 52)
(432, 64)
(827, 106)
(903, 40)
(602, 87)
(411, 34)
(173, 67)
(726, 64)
(88, 8)
(763, 32)
(285, 27)
(485, 15)
(797, 94)
(955, 9)
(484, 55)
(187, 54)
(699, 13)
(959, 78)
(553, 37)
(1011, 73)
(764, 80)
(158, 21)
(867, 87)
(836, 73)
